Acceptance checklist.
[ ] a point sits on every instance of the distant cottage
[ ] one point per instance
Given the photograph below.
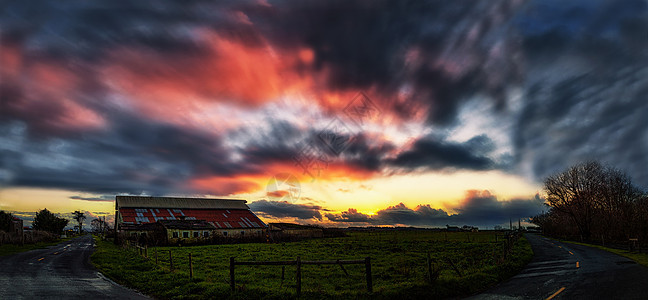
(289, 231)
(164, 220)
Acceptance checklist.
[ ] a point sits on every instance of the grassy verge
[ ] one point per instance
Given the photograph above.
(8, 249)
(398, 266)
(640, 258)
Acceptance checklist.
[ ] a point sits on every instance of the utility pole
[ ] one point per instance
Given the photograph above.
(510, 224)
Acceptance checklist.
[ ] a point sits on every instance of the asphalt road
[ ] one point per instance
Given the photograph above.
(58, 272)
(568, 271)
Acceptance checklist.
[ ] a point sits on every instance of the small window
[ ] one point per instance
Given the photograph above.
(175, 234)
(185, 234)
(196, 234)
(224, 233)
(242, 232)
(206, 233)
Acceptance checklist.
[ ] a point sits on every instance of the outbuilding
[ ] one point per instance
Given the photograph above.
(175, 219)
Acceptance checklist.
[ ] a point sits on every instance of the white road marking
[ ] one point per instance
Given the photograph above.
(549, 267)
(548, 262)
(562, 272)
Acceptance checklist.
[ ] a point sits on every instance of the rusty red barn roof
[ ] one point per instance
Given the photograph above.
(221, 213)
(220, 218)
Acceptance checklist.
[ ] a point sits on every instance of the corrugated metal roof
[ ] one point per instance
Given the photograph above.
(173, 202)
(187, 224)
(235, 218)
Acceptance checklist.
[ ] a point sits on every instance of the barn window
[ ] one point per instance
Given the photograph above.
(175, 234)
(242, 232)
(185, 234)
(196, 234)
(206, 233)
(224, 233)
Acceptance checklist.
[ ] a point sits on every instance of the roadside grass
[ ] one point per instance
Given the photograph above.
(8, 249)
(398, 266)
(640, 258)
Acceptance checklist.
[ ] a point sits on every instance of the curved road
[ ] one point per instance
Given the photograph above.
(58, 272)
(567, 271)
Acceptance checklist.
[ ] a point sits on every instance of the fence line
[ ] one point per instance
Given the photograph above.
(298, 262)
(433, 268)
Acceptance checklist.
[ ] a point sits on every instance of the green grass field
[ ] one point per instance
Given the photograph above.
(398, 265)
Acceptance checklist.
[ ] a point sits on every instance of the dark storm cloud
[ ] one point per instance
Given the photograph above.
(444, 51)
(137, 155)
(366, 153)
(478, 208)
(429, 153)
(350, 216)
(103, 198)
(482, 207)
(582, 66)
(278, 144)
(587, 96)
(134, 156)
(421, 215)
(283, 209)
(86, 30)
(584, 118)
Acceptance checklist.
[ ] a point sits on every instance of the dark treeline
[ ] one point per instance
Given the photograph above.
(46, 227)
(592, 202)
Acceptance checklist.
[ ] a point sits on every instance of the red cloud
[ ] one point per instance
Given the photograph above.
(44, 93)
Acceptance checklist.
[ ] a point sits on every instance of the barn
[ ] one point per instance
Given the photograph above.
(173, 219)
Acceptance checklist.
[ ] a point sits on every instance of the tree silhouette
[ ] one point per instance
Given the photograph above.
(79, 217)
(47, 221)
(598, 201)
(5, 220)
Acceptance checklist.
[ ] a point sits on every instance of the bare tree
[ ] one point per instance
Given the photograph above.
(598, 200)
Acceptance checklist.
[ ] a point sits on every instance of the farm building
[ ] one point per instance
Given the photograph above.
(452, 228)
(470, 228)
(289, 231)
(169, 220)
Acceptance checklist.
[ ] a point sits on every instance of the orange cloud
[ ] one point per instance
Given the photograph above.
(219, 185)
(45, 93)
(226, 71)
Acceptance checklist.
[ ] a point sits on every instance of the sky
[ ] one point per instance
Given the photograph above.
(339, 113)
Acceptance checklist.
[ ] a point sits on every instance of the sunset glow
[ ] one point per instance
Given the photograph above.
(383, 122)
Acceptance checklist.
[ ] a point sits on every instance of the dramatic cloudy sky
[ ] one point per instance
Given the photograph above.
(345, 113)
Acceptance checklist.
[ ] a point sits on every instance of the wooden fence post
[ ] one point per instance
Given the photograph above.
(190, 267)
(170, 260)
(368, 274)
(232, 283)
(298, 276)
(429, 267)
(156, 257)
